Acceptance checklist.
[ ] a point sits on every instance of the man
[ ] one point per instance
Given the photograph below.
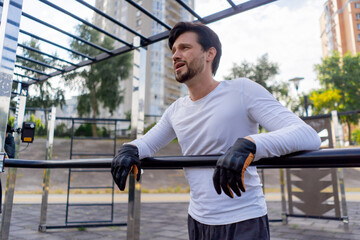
(219, 118)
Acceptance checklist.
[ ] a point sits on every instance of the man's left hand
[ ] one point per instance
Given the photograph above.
(230, 167)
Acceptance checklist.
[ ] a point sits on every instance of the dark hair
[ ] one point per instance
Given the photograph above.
(207, 38)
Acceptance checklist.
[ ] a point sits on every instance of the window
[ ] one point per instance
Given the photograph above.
(358, 26)
(358, 38)
(357, 16)
(138, 22)
(138, 13)
(357, 5)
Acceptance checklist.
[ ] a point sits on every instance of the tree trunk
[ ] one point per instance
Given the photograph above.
(349, 131)
(95, 113)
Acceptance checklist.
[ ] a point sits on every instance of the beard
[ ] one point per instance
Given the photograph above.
(193, 69)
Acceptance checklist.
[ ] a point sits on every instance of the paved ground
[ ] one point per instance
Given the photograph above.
(160, 221)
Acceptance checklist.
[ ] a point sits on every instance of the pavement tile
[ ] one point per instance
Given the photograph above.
(168, 221)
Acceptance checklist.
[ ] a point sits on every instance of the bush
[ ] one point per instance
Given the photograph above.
(40, 129)
(61, 130)
(85, 130)
(356, 136)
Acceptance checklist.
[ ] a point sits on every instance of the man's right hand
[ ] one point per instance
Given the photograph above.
(126, 160)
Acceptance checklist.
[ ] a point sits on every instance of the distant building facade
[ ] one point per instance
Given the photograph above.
(340, 27)
(161, 87)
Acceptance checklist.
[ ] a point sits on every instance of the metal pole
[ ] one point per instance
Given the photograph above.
(9, 32)
(137, 130)
(283, 198)
(337, 133)
(46, 176)
(11, 177)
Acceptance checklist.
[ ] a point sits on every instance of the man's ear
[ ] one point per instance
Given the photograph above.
(211, 53)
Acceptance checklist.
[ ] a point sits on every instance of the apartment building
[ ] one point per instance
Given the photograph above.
(161, 87)
(340, 27)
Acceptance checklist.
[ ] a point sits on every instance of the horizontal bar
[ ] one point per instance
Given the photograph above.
(95, 119)
(94, 170)
(192, 12)
(315, 217)
(235, 10)
(66, 33)
(88, 204)
(93, 138)
(56, 45)
(148, 14)
(232, 4)
(31, 69)
(86, 225)
(24, 76)
(94, 122)
(92, 154)
(329, 115)
(112, 19)
(275, 220)
(163, 35)
(85, 22)
(99, 187)
(45, 54)
(324, 158)
(38, 62)
(93, 221)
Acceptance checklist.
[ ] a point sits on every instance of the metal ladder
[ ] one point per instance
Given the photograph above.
(69, 205)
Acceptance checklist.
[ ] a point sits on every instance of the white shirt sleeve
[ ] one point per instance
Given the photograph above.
(287, 132)
(156, 138)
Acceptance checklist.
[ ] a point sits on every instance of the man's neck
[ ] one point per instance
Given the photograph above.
(201, 86)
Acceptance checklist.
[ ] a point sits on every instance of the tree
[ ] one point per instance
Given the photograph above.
(342, 74)
(46, 95)
(324, 101)
(99, 82)
(262, 72)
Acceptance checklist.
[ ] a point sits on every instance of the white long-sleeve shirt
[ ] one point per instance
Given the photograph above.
(211, 125)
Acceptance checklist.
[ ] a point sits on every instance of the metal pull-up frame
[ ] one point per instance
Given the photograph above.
(126, 46)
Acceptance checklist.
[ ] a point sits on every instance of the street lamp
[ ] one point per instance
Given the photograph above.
(296, 82)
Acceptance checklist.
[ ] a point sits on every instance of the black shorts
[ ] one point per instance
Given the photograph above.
(257, 228)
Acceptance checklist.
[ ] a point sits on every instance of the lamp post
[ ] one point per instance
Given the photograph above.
(296, 82)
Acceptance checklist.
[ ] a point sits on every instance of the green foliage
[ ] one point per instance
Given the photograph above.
(149, 127)
(61, 130)
(325, 101)
(86, 130)
(99, 82)
(341, 74)
(356, 136)
(11, 121)
(40, 128)
(263, 72)
(46, 95)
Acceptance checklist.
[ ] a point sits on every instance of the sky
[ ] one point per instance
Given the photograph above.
(287, 30)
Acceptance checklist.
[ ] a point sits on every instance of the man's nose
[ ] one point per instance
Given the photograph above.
(176, 55)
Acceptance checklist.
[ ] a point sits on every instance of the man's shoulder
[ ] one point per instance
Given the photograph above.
(238, 82)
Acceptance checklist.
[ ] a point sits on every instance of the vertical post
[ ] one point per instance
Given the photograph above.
(10, 14)
(283, 198)
(9, 32)
(46, 176)
(337, 135)
(11, 176)
(137, 130)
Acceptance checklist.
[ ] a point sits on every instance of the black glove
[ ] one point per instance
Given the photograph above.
(126, 160)
(230, 167)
